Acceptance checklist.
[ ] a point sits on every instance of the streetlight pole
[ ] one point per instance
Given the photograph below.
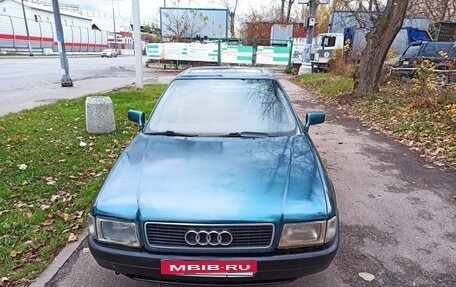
(137, 43)
(66, 80)
(114, 24)
(306, 66)
(27, 29)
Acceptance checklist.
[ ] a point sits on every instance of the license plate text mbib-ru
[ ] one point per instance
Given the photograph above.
(182, 267)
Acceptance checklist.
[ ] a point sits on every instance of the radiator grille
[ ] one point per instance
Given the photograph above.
(245, 236)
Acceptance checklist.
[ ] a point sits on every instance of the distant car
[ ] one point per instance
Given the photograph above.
(109, 53)
(442, 54)
(222, 185)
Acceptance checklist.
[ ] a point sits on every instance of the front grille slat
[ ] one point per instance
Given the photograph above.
(245, 236)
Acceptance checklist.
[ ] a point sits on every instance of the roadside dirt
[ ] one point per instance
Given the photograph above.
(397, 216)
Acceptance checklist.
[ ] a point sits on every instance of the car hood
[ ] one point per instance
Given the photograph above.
(177, 179)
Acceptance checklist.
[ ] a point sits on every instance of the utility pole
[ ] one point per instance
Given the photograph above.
(27, 29)
(114, 24)
(66, 80)
(306, 66)
(137, 44)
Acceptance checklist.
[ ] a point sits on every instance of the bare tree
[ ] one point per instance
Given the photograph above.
(387, 21)
(256, 24)
(323, 19)
(289, 8)
(183, 24)
(434, 10)
(232, 7)
(282, 10)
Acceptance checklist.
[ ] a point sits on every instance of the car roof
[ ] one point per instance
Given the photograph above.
(226, 72)
(417, 43)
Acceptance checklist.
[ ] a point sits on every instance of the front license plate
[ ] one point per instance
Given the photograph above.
(405, 63)
(209, 268)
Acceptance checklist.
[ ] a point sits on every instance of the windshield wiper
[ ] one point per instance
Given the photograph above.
(248, 135)
(171, 134)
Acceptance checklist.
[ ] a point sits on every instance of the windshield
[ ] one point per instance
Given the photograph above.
(412, 51)
(436, 49)
(220, 107)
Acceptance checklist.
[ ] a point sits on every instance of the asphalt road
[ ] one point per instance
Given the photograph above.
(22, 73)
(26, 82)
(397, 214)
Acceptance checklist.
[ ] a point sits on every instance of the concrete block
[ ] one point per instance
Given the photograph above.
(99, 115)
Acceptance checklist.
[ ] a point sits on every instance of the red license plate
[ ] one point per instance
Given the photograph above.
(215, 268)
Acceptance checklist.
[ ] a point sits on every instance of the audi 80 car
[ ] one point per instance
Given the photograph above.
(222, 185)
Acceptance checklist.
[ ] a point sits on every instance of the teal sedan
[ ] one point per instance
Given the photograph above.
(222, 185)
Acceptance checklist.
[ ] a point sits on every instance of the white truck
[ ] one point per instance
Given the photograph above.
(325, 47)
(353, 40)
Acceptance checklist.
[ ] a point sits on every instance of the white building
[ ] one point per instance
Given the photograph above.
(41, 13)
(84, 31)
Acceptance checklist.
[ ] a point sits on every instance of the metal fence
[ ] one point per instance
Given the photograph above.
(224, 52)
(13, 36)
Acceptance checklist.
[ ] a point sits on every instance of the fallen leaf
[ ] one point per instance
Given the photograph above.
(5, 279)
(86, 250)
(19, 205)
(72, 237)
(13, 253)
(50, 181)
(65, 216)
(48, 222)
(22, 166)
(20, 265)
(45, 206)
(82, 144)
(366, 276)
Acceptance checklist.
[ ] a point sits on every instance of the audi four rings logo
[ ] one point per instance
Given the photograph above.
(212, 238)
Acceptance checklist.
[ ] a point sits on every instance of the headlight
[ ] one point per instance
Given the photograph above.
(331, 229)
(92, 226)
(306, 234)
(317, 56)
(114, 231)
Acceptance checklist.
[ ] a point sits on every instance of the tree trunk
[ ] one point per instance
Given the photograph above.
(290, 5)
(282, 10)
(378, 42)
(232, 18)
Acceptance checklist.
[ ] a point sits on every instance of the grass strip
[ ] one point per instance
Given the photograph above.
(424, 121)
(330, 85)
(51, 169)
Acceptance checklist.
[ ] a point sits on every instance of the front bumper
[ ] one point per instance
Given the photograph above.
(144, 265)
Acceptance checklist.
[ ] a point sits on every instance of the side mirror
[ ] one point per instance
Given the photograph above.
(314, 118)
(138, 117)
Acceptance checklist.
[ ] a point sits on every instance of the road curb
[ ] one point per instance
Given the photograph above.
(59, 261)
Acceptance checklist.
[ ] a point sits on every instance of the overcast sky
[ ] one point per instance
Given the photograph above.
(149, 9)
